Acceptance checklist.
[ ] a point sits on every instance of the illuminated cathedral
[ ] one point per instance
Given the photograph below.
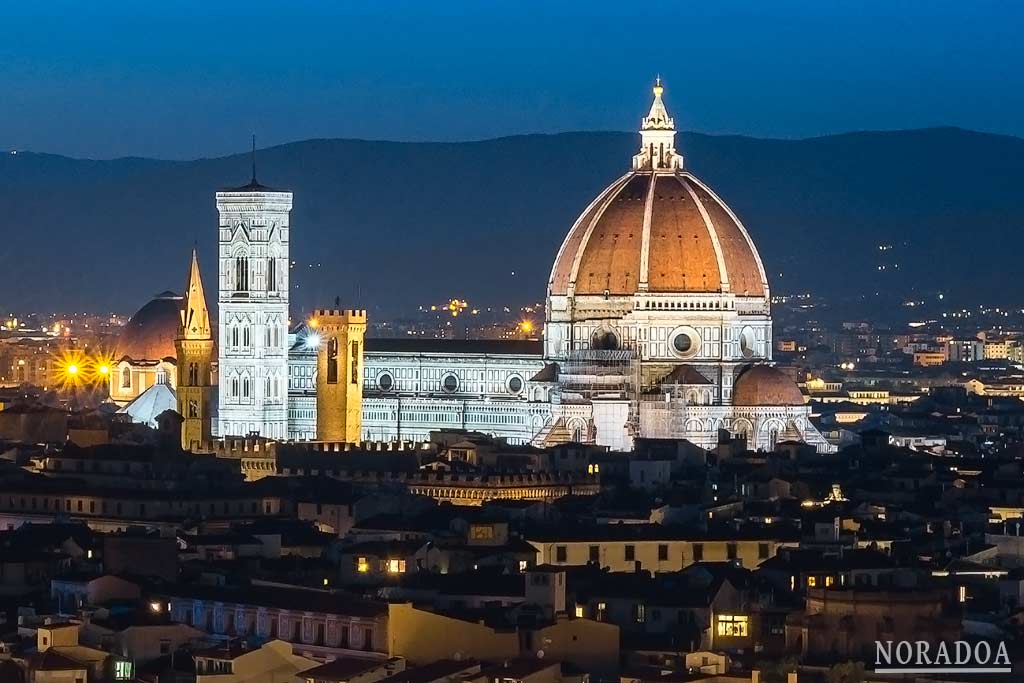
(657, 324)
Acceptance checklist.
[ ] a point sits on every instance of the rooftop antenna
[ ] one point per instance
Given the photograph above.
(254, 158)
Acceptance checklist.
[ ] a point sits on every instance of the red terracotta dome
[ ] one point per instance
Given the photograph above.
(763, 385)
(660, 233)
(150, 333)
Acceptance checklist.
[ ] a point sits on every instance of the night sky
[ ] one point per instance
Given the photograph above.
(190, 79)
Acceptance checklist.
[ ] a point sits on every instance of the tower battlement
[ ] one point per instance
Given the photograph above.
(348, 315)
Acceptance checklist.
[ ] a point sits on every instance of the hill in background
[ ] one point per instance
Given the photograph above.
(392, 225)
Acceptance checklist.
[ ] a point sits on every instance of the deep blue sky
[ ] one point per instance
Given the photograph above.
(193, 78)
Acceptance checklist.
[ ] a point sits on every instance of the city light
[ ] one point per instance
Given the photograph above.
(312, 341)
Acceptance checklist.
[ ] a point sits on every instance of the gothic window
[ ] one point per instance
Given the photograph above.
(193, 374)
(234, 387)
(126, 378)
(268, 387)
(246, 340)
(245, 387)
(234, 335)
(271, 275)
(241, 273)
(355, 362)
(332, 361)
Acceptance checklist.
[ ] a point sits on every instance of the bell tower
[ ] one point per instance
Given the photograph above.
(194, 346)
(339, 375)
(252, 307)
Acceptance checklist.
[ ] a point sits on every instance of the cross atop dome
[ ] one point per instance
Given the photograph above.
(658, 138)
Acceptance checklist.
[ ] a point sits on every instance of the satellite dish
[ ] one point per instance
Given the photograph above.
(540, 654)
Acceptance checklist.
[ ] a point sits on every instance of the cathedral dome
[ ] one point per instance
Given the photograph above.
(658, 229)
(150, 333)
(763, 385)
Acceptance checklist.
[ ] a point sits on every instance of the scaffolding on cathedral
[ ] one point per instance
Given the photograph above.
(600, 374)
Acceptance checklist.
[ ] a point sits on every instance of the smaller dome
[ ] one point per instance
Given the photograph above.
(150, 333)
(763, 385)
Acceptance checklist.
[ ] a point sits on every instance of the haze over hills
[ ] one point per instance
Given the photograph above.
(393, 225)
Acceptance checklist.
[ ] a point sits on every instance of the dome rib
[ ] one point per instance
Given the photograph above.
(742, 253)
(563, 273)
(723, 271)
(608, 259)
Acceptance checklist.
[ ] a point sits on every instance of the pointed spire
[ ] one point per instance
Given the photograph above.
(658, 118)
(195, 317)
(658, 137)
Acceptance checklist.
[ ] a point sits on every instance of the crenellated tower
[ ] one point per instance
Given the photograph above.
(339, 382)
(195, 349)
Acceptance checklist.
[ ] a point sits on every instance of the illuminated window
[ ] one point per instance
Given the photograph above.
(126, 378)
(963, 593)
(396, 566)
(522, 565)
(579, 611)
(812, 581)
(122, 670)
(732, 626)
(829, 581)
(362, 566)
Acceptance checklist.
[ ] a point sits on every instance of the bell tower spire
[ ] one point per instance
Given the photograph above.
(195, 317)
(658, 138)
(194, 347)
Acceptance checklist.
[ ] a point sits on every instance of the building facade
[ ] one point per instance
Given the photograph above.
(253, 311)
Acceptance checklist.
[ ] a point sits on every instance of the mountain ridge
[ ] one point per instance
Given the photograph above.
(483, 219)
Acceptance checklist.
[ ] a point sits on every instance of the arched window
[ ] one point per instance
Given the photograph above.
(245, 387)
(271, 274)
(193, 374)
(234, 387)
(161, 376)
(234, 335)
(126, 378)
(246, 339)
(241, 273)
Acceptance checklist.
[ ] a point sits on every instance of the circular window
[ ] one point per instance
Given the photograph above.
(515, 384)
(450, 383)
(685, 342)
(604, 340)
(748, 342)
(385, 381)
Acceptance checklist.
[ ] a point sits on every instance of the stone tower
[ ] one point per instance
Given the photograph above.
(253, 311)
(194, 345)
(339, 383)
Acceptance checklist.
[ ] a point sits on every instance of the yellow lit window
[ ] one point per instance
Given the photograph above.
(732, 626)
(362, 566)
(396, 566)
(579, 611)
(812, 581)
(963, 593)
(829, 580)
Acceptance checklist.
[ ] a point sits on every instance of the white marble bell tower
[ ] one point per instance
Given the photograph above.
(252, 339)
